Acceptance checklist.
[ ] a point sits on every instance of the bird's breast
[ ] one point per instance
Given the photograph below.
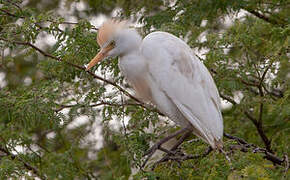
(133, 67)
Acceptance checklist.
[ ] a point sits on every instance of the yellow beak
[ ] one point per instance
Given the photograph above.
(100, 56)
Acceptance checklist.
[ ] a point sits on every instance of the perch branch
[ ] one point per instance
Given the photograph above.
(182, 157)
(255, 149)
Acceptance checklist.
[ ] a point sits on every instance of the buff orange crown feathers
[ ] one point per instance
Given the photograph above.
(108, 29)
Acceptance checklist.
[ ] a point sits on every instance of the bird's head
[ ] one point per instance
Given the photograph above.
(115, 38)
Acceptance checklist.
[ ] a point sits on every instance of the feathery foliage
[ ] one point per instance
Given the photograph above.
(58, 121)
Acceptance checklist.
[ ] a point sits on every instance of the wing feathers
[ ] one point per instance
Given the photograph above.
(187, 82)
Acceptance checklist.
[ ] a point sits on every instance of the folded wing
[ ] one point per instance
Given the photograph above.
(186, 81)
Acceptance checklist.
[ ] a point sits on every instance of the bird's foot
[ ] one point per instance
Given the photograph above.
(158, 146)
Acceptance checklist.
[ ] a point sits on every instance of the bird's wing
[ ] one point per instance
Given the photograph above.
(186, 81)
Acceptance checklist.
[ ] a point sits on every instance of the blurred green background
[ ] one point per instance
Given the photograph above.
(59, 122)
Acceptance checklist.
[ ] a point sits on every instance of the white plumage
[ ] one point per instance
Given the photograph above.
(163, 70)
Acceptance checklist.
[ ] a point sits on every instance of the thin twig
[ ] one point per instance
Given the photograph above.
(95, 105)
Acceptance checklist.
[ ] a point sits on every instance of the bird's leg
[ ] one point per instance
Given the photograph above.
(182, 157)
(227, 157)
(158, 145)
(172, 151)
(181, 140)
(224, 153)
(176, 145)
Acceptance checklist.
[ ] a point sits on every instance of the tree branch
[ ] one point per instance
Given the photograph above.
(10, 14)
(263, 17)
(228, 99)
(26, 165)
(82, 68)
(256, 122)
(98, 104)
(182, 157)
(259, 125)
(255, 149)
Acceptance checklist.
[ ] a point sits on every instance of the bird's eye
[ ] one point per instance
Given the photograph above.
(113, 44)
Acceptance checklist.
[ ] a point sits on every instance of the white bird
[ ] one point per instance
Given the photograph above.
(163, 70)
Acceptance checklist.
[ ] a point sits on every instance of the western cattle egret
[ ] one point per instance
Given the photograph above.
(163, 70)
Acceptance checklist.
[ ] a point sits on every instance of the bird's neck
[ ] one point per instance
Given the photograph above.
(132, 59)
(130, 42)
(132, 55)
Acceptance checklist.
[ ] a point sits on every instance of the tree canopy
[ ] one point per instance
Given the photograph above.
(58, 121)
